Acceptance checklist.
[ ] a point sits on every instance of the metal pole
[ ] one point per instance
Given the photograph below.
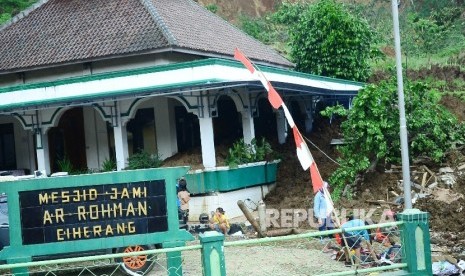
(403, 126)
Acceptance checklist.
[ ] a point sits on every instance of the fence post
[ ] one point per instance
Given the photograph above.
(212, 254)
(416, 242)
(174, 259)
(21, 270)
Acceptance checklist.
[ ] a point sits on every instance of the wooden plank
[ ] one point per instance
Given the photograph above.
(382, 202)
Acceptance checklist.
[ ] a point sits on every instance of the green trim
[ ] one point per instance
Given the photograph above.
(183, 99)
(102, 111)
(170, 67)
(110, 94)
(232, 179)
(55, 113)
(21, 119)
(130, 107)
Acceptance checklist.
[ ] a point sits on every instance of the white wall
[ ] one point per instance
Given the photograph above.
(95, 130)
(165, 125)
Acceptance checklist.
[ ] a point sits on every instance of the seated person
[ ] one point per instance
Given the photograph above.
(354, 239)
(220, 222)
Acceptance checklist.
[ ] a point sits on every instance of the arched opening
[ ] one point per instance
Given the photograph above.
(228, 125)
(7, 147)
(265, 123)
(141, 132)
(67, 147)
(187, 129)
(298, 115)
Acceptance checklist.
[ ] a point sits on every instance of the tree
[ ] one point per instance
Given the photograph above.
(9, 8)
(372, 129)
(328, 40)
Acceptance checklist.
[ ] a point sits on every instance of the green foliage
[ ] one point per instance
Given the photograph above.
(9, 8)
(242, 153)
(144, 160)
(108, 165)
(212, 7)
(372, 129)
(65, 165)
(327, 40)
(258, 28)
(289, 13)
(338, 110)
(435, 32)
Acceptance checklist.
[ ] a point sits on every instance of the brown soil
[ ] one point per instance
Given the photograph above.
(294, 188)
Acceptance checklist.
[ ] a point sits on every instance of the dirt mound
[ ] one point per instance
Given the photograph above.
(294, 187)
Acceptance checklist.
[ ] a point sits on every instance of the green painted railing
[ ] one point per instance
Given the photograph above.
(223, 179)
(416, 248)
(413, 224)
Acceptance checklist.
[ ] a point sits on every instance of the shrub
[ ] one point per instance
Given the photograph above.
(144, 160)
(108, 165)
(242, 153)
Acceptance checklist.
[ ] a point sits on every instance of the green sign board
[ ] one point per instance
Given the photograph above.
(100, 211)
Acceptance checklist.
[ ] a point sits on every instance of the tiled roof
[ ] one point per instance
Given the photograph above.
(67, 31)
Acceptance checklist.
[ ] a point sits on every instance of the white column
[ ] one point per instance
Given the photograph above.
(281, 126)
(121, 142)
(207, 141)
(165, 128)
(248, 127)
(43, 158)
(121, 147)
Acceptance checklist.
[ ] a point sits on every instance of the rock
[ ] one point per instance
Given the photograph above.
(446, 170)
(447, 179)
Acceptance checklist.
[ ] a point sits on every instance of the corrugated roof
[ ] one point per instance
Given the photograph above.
(67, 31)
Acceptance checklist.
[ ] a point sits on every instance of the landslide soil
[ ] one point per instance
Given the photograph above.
(294, 188)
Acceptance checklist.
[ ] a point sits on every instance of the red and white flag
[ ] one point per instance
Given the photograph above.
(316, 178)
(273, 96)
(303, 153)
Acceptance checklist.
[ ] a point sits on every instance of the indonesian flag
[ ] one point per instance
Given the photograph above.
(273, 96)
(316, 178)
(303, 153)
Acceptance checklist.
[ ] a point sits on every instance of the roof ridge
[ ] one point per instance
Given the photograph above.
(148, 4)
(22, 14)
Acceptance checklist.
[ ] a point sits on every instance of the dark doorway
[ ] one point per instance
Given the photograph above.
(7, 147)
(228, 125)
(141, 129)
(265, 123)
(187, 129)
(297, 115)
(67, 142)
